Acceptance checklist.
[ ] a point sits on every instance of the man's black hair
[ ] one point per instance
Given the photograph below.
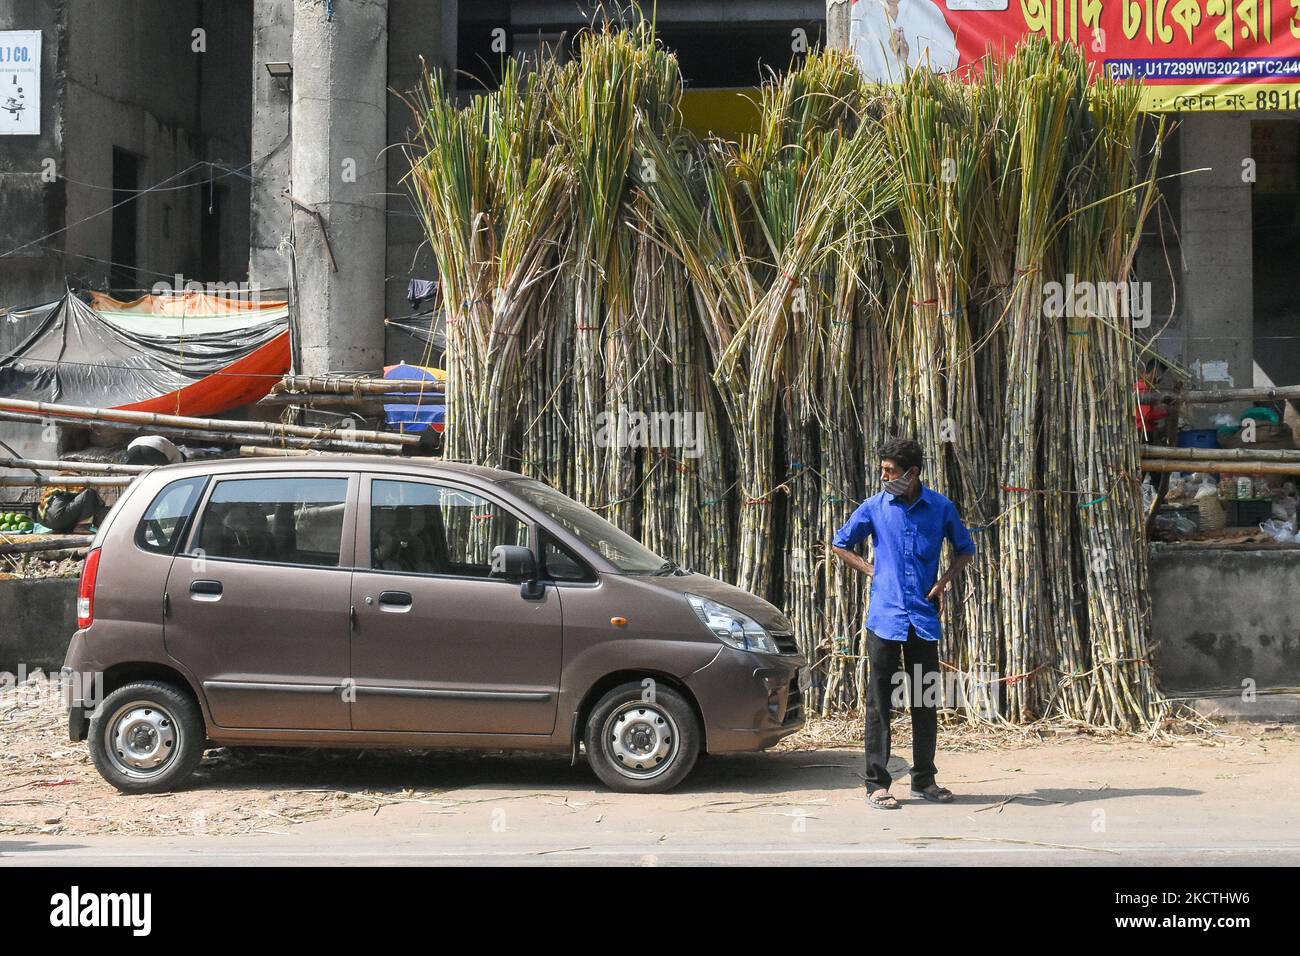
(904, 453)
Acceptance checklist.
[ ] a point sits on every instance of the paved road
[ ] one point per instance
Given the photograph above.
(1078, 802)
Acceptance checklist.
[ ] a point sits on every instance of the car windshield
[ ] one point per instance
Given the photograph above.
(621, 550)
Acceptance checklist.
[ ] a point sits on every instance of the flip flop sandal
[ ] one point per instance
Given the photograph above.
(887, 802)
(935, 794)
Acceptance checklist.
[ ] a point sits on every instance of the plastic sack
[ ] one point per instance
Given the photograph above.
(1279, 531)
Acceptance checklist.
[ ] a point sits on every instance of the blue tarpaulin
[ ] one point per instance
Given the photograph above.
(424, 405)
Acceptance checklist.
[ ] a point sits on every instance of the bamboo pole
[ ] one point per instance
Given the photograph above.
(101, 467)
(62, 553)
(80, 412)
(367, 405)
(1214, 396)
(257, 451)
(70, 481)
(10, 546)
(1224, 467)
(341, 385)
(1213, 455)
(228, 438)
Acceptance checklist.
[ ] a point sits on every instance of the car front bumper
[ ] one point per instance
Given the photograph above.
(749, 701)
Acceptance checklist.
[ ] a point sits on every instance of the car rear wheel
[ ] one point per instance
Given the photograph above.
(146, 737)
(641, 745)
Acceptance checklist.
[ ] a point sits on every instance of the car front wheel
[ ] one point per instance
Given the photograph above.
(642, 742)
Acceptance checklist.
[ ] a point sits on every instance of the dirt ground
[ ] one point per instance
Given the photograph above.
(49, 787)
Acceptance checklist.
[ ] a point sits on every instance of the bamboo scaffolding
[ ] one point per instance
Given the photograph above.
(225, 438)
(102, 467)
(75, 414)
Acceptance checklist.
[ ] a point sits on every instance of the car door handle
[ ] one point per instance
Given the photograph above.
(395, 600)
(205, 590)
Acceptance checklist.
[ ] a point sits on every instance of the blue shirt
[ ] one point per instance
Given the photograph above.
(908, 540)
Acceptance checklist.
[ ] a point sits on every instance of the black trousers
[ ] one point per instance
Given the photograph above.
(917, 653)
(65, 511)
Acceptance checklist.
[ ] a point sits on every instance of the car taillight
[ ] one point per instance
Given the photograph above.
(86, 593)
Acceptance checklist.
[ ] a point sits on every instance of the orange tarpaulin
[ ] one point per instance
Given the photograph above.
(183, 304)
(239, 383)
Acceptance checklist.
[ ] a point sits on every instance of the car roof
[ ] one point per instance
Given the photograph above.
(389, 464)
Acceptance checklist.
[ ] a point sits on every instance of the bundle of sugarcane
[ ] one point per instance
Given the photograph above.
(699, 209)
(683, 503)
(756, 224)
(814, 112)
(1047, 116)
(935, 131)
(546, 441)
(856, 302)
(622, 79)
(493, 189)
(1111, 682)
(995, 108)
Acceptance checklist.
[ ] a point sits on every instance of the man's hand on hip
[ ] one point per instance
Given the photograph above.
(854, 560)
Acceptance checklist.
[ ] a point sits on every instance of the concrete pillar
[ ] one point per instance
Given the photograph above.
(416, 28)
(269, 206)
(1215, 234)
(838, 15)
(337, 170)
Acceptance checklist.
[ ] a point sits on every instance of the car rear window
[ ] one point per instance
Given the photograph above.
(290, 520)
(168, 516)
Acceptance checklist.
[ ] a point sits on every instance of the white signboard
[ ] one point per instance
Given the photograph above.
(20, 83)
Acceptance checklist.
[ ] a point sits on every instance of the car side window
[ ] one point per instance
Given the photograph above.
(422, 528)
(291, 520)
(560, 564)
(168, 515)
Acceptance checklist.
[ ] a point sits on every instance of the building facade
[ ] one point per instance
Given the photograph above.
(260, 141)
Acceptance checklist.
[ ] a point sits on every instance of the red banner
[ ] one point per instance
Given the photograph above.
(1188, 54)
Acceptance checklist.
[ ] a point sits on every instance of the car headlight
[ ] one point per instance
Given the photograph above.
(731, 627)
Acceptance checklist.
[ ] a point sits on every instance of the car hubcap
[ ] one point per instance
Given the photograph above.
(641, 740)
(142, 739)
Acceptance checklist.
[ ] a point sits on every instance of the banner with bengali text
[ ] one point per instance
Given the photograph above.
(1188, 54)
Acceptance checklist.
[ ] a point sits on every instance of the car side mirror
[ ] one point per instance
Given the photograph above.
(513, 563)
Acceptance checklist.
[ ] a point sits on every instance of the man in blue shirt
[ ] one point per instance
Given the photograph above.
(907, 523)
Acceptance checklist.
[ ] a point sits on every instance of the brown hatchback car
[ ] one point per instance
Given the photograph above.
(373, 602)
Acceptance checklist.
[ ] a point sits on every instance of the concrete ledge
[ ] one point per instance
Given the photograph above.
(1265, 707)
(37, 619)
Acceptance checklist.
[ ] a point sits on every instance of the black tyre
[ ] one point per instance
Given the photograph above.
(147, 737)
(637, 745)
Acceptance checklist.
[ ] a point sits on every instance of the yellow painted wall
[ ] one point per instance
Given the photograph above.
(727, 113)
